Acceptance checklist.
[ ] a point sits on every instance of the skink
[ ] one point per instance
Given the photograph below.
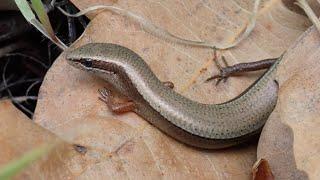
(209, 126)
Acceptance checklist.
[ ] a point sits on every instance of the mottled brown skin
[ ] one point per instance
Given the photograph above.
(210, 126)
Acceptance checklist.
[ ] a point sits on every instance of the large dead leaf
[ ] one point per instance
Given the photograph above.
(132, 148)
(290, 139)
(18, 135)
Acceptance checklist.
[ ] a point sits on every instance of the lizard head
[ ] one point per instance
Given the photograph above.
(99, 58)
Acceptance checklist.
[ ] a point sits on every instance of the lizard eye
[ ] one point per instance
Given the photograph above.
(87, 62)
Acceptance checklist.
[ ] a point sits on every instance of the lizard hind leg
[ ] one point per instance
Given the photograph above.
(224, 70)
(227, 71)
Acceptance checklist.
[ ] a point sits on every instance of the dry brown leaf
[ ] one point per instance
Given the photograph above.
(290, 139)
(132, 148)
(18, 135)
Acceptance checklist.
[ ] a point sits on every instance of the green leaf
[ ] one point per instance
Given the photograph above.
(27, 12)
(42, 15)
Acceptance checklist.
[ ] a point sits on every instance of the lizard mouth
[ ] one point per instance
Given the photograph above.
(75, 62)
(88, 65)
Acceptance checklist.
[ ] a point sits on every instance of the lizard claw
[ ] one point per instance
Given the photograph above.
(104, 94)
(224, 71)
(223, 76)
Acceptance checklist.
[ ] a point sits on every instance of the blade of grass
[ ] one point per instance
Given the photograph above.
(25, 9)
(42, 15)
(16, 166)
(27, 12)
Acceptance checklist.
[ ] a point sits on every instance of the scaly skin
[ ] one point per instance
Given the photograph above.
(210, 126)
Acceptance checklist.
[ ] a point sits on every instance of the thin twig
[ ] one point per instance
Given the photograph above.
(19, 82)
(11, 47)
(31, 86)
(71, 26)
(81, 19)
(8, 79)
(9, 92)
(49, 52)
(61, 3)
(29, 57)
(21, 99)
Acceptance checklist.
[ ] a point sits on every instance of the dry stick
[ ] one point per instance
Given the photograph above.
(29, 57)
(30, 87)
(306, 8)
(11, 47)
(18, 82)
(161, 33)
(20, 99)
(8, 79)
